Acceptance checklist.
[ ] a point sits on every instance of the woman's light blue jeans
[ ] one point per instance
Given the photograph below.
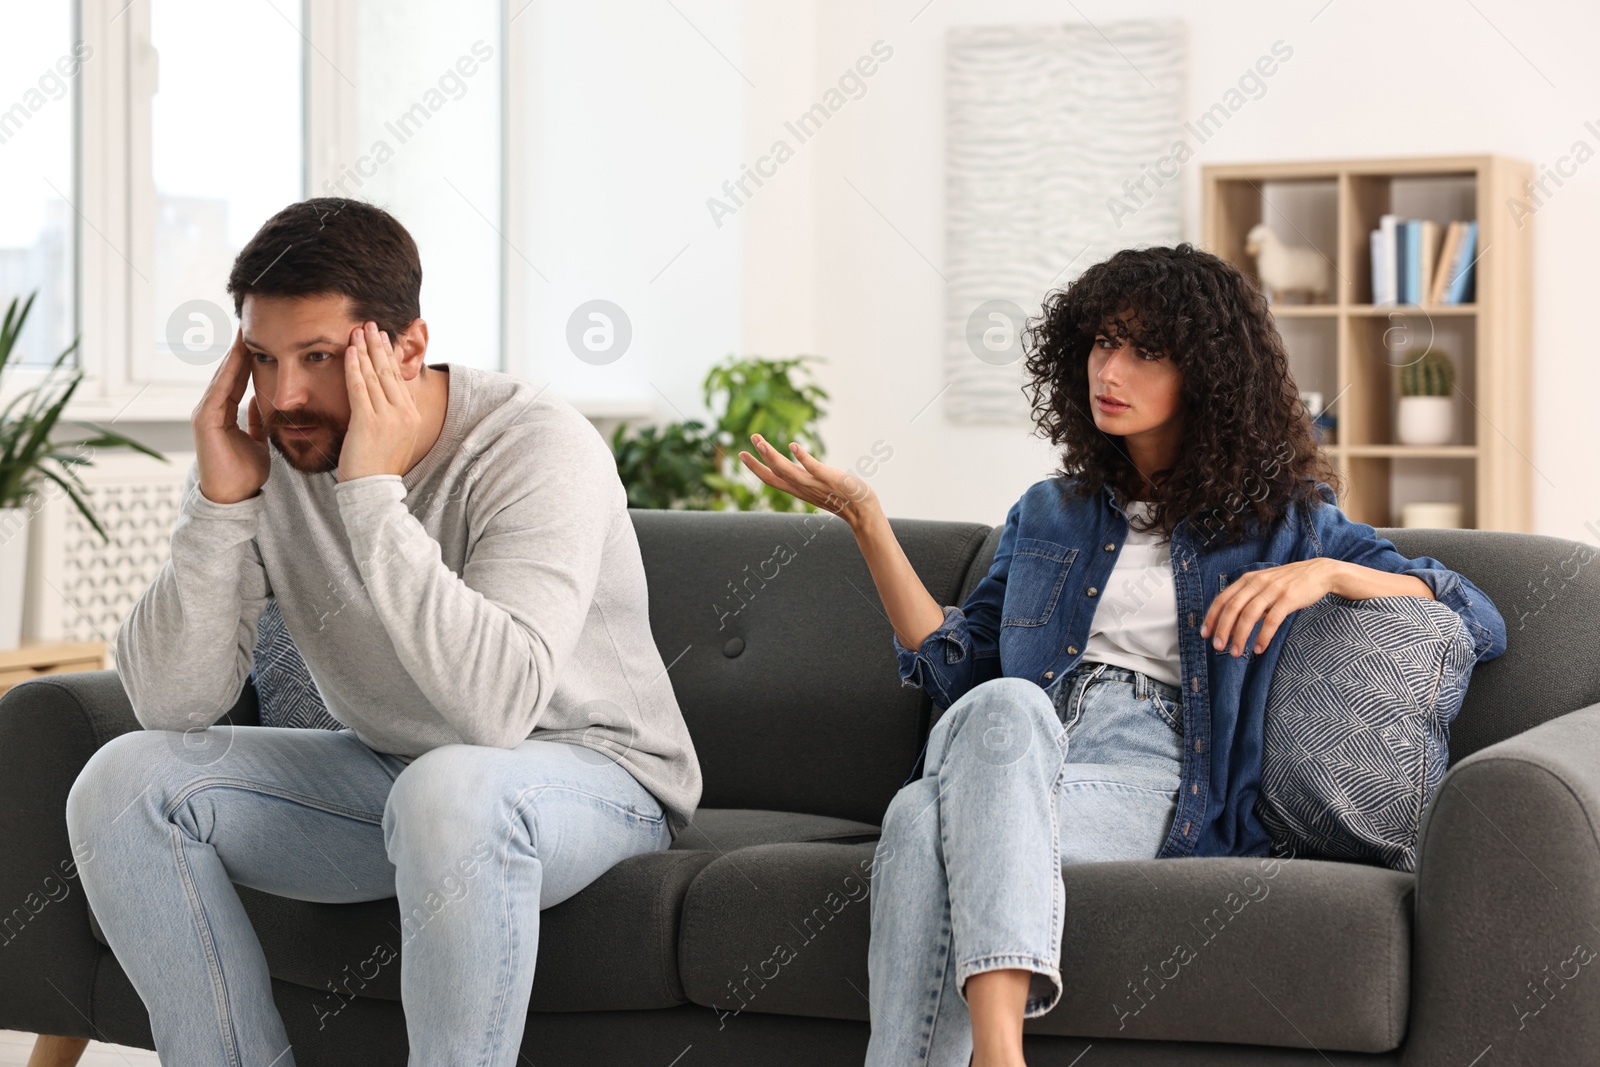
(473, 840)
(967, 875)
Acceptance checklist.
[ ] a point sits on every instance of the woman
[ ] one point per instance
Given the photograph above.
(1116, 624)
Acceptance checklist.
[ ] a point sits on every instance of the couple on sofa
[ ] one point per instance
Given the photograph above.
(452, 554)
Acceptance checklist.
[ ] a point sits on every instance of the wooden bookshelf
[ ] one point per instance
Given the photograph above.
(1347, 348)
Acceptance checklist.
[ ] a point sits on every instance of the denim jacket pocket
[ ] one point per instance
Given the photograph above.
(1225, 577)
(1223, 580)
(1037, 574)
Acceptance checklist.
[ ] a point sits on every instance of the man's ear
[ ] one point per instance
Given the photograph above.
(411, 349)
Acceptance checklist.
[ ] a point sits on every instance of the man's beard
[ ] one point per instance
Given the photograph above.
(316, 454)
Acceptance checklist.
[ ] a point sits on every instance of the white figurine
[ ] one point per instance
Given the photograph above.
(1285, 268)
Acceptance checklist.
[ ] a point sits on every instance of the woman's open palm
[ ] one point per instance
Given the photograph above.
(811, 480)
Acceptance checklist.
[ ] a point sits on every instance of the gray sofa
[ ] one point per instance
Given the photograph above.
(786, 675)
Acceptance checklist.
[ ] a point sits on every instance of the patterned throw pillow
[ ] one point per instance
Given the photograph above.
(284, 689)
(1357, 726)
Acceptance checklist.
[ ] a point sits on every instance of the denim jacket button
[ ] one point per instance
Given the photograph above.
(1110, 547)
(1093, 591)
(1049, 675)
(1072, 650)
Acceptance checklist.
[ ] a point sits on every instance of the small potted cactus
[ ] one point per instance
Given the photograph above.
(1427, 404)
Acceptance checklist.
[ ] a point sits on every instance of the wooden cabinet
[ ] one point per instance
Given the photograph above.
(17, 665)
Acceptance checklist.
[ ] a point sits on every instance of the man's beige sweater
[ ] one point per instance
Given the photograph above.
(494, 593)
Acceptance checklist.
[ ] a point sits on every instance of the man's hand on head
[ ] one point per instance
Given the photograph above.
(233, 463)
(384, 420)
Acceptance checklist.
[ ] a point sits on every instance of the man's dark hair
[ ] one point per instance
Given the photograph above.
(331, 244)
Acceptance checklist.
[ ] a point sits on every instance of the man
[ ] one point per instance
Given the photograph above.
(452, 554)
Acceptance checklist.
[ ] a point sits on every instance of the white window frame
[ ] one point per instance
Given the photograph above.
(113, 192)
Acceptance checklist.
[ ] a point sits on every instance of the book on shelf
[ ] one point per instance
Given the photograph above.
(1402, 263)
(1447, 256)
(1380, 267)
(1413, 262)
(1462, 272)
(1385, 250)
(1427, 242)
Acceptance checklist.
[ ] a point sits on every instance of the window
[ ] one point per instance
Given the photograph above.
(427, 149)
(40, 59)
(197, 120)
(226, 153)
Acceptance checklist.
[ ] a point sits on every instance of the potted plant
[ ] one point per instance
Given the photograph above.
(33, 464)
(688, 466)
(760, 396)
(666, 467)
(1427, 408)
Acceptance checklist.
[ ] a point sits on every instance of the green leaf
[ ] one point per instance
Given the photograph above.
(772, 397)
(29, 418)
(113, 439)
(82, 507)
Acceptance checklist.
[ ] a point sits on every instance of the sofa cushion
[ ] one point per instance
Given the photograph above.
(1286, 952)
(726, 829)
(780, 929)
(628, 917)
(1255, 950)
(612, 946)
(1357, 730)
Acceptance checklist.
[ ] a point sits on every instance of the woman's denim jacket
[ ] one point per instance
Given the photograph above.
(1029, 618)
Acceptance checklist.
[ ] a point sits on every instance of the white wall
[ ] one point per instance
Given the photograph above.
(633, 120)
(825, 272)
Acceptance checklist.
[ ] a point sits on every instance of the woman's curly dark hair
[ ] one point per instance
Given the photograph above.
(1248, 447)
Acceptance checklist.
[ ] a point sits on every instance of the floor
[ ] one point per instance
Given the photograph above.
(16, 1046)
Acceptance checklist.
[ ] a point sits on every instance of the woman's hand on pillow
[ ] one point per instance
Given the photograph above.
(1267, 596)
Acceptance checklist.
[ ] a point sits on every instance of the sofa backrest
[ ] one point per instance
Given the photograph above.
(782, 659)
(809, 715)
(1548, 591)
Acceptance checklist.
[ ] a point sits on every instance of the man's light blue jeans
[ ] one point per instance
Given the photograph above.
(473, 840)
(967, 874)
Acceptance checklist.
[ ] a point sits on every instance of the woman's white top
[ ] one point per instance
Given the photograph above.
(1136, 621)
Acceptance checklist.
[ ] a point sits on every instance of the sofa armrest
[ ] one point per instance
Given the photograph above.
(1507, 901)
(49, 727)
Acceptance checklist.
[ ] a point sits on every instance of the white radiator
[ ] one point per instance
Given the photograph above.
(80, 587)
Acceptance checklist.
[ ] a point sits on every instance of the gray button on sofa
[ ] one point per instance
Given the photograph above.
(745, 943)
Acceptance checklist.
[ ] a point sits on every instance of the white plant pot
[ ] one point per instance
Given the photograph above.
(1426, 420)
(13, 573)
